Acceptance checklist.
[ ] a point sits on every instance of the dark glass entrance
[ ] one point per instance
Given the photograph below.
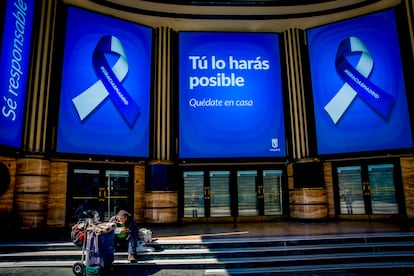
(232, 193)
(370, 188)
(104, 190)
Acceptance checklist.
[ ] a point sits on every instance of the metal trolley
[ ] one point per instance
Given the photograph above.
(97, 243)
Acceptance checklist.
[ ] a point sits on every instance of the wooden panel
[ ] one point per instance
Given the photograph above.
(328, 179)
(139, 193)
(31, 192)
(289, 169)
(161, 207)
(57, 194)
(33, 166)
(307, 196)
(31, 210)
(7, 199)
(32, 184)
(308, 204)
(161, 199)
(308, 211)
(31, 203)
(164, 215)
(407, 171)
(291, 180)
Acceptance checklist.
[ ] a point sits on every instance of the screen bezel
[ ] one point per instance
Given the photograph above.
(61, 42)
(201, 159)
(406, 67)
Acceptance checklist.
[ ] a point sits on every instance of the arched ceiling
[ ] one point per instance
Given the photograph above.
(241, 2)
(236, 9)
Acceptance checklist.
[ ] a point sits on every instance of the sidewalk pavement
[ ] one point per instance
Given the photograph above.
(203, 231)
(275, 229)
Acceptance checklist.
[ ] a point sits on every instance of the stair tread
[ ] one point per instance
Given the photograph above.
(308, 268)
(284, 258)
(186, 251)
(155, 263)
(237, 256)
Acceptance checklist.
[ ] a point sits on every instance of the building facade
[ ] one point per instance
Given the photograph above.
(185, 153)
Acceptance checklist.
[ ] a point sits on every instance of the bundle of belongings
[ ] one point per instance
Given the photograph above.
(144, 237)
(100, 251)
(97, 242)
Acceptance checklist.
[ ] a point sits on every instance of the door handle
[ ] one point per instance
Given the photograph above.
(260, 191)
(102, 194)
(207, 192)
(366, 188)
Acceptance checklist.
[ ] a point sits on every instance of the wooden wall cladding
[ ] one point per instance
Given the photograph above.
(57, 194)
(7, 198)
(328, 180)
(161, 207)
(407, 171)
(308, 204)
(32, 192)
(139, 193)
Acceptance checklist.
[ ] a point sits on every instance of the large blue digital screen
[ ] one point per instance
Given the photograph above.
(105, 88)
(359, 94)
(14, 64)
(230, 95)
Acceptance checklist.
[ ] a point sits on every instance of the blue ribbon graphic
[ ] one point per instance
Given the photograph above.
(356, 82)
(109, 83)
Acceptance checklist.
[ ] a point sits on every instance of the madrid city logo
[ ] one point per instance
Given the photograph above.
(356, 82)
(109, 83)
(275, 145)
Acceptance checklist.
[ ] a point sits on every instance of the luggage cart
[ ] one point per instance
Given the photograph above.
(78, 268)
(97, 248)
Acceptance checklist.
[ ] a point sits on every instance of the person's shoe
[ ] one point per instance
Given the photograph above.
(131, 258)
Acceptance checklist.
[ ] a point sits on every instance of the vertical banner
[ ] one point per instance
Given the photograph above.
(105, 90)
(358, 85)
(230, 95)
(14, 67)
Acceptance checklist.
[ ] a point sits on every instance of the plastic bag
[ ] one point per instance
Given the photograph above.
(145, 235)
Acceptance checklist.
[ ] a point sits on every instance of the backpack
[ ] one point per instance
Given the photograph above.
(77, 234)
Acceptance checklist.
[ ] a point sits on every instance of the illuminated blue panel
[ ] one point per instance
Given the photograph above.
(105, 91)
(14, 64)
(358, 85)
(230, 95)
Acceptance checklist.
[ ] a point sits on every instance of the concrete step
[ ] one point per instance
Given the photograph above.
(383, 252)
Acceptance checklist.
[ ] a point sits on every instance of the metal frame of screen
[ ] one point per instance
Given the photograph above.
(220, 104)
(105, 103)
(343, 118)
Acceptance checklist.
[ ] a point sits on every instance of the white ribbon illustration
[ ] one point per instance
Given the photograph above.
(356, 82)
(109, 83)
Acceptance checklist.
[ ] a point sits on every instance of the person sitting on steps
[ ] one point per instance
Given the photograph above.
(126, 231)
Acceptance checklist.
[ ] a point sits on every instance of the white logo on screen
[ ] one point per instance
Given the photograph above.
(275, 143)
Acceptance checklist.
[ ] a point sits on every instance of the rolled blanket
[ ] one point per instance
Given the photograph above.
(102, 228)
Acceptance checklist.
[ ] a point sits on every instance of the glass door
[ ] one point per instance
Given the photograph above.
(104, 190)
(220, 194)
(84, 189)
(194, 194)
(352, 201)
(117, 188)
(382, 189)
(231, 193)
(367, 189)
(248, 204)
(272, 192)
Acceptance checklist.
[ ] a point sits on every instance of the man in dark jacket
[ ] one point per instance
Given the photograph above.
(126, 231)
